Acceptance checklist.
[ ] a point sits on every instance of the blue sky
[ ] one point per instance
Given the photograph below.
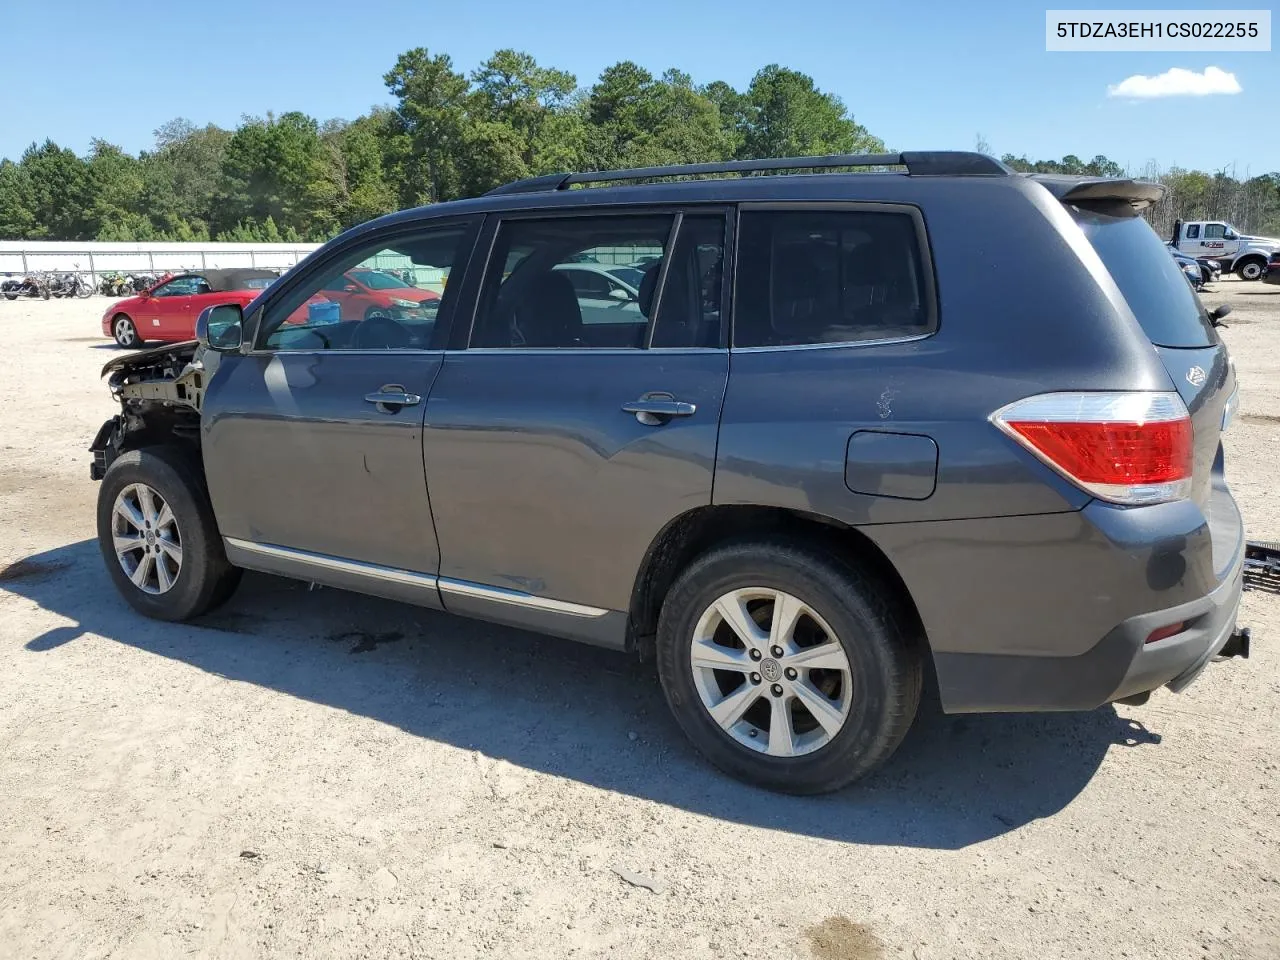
(920, 75)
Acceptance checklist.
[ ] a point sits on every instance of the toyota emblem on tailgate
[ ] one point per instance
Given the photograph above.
(1196, 376)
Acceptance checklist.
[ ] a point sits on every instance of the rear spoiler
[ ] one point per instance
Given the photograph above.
(1090, 190)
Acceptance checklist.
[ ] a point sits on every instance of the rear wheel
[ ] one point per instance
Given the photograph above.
(158, 537)
(125, 333)
(786, 667)
(1251, 269)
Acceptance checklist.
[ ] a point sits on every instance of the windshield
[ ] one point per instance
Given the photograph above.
(377, 280)
(1150, 279)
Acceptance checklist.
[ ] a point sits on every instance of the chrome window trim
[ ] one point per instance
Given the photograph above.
(371, 352)
(582, 351)
(462, 588)
(833, 346)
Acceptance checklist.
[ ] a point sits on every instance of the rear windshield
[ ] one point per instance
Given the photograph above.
(1148, 276)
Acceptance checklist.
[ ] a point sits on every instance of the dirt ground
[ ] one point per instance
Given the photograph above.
(316, 774)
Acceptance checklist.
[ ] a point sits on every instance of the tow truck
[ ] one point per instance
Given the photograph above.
(1234, 251)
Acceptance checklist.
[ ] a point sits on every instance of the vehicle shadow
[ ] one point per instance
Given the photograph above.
(570, 710)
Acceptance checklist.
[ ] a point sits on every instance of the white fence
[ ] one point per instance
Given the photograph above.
(20, 257)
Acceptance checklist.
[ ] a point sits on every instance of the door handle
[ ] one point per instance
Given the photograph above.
(391, 397)
(655, 409)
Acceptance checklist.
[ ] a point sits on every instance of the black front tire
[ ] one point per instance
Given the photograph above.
(869, 623)
(1251, 270)
(205, 579)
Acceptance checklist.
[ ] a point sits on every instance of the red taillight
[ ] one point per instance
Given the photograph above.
(1128, 448)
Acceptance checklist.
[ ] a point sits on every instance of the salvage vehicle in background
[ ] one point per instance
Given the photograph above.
(1273, 269)
(908, 477)
(1192, 269)
(364, 293)
(1246, 256)
(1210, 270)
(167, 312)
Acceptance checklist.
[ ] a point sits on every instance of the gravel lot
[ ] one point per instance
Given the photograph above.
(316, 774)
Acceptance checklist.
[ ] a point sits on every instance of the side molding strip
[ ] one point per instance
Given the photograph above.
(464, 588)
(460, 588)
(326, 562)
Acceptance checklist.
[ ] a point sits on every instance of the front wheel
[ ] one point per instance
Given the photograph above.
(158, 537)
(125, 333)
(1250, 270)
(786, 667)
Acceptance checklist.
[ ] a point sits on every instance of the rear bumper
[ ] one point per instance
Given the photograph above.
(1019, 640)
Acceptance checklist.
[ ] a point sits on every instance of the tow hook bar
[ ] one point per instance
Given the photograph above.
(1237, 645)
(1262, 565)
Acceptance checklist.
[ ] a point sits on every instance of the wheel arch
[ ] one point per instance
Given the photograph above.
(698, 530)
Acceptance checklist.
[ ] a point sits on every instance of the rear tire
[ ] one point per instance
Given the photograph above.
(869, 684)
(126, 332)
(1251, 269)
(171, 566)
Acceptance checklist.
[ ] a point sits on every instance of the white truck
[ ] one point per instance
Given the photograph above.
(1246, 256)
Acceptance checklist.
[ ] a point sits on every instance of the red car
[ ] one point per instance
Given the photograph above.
(167, 312)
(364, 291)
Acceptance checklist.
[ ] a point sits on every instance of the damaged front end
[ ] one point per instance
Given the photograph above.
(160, 392)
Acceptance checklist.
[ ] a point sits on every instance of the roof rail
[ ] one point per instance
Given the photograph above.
(935, 163)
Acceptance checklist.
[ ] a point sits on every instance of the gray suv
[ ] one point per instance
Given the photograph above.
(843, 429)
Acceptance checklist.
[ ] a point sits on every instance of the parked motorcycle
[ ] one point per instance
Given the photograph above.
(115, 285)
(33, 285)
(70, 285)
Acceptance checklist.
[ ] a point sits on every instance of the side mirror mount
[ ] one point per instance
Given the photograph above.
(145, 294)
(221, 327)
(1216, 315)
(350, 288)
(617, 293)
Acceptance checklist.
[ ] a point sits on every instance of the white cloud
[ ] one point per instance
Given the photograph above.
(1176, 82)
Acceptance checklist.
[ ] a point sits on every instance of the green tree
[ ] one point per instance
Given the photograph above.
(536, 103)
(432, 120)
(732, 107)
(17, 202)
(60, 191)
(786, 115)
(278, 169)
(116, 184)
(181, 178)
(636, 120)
(357, 168)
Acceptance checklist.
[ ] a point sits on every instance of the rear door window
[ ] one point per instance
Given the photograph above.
(1150, 279)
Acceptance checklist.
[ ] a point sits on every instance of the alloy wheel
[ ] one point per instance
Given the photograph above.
(770, 672)
(146, 538)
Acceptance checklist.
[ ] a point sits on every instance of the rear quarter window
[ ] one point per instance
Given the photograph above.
(830, 276)
(1151, 280)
